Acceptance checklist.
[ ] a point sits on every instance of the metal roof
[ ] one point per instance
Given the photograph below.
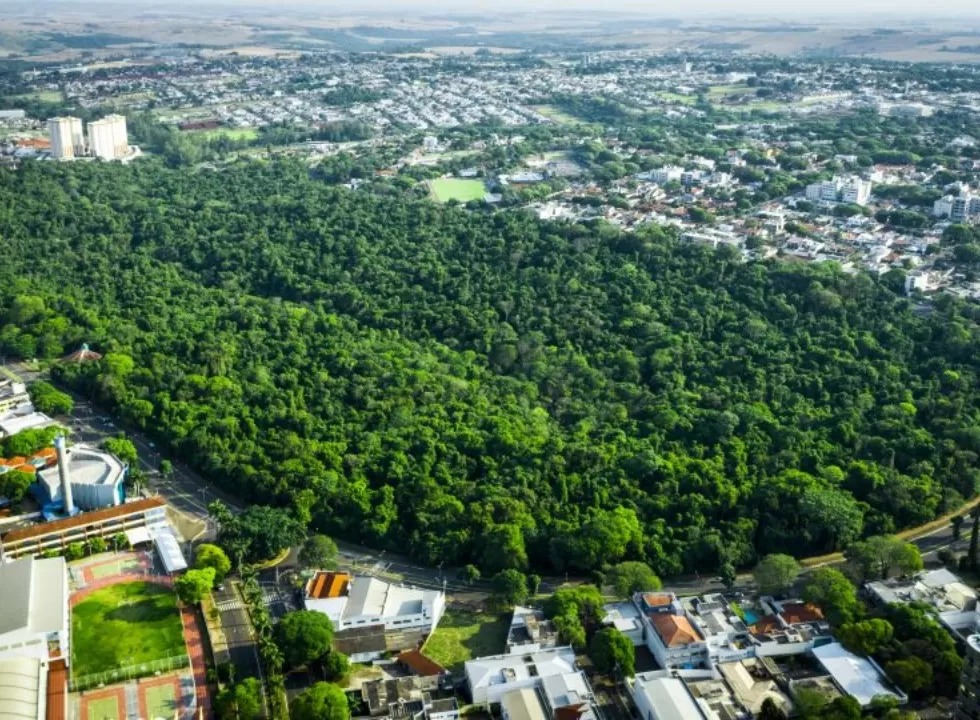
(34, 595)
(22, 683)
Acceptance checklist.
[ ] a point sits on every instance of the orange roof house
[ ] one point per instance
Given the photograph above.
(794, 613)
(675, 630)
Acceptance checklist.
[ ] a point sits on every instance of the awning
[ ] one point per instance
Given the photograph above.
(138, 536)
(169, 550)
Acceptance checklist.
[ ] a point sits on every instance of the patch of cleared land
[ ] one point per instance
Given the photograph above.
(122, 625)
(678, 98)
(463, 190)
(230, 133)
(556, 114)
(461, 636)
(51, 96)
(721, 91)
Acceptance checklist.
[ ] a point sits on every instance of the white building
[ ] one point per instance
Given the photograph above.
(355, 602)
(669, 633)
(529, 631)
(825, 191)
(67, 140)
(95, 480)
(553, 671)
(660, 697)
(856, 191)
(859, 677)
(626, 618)
(954, 602)
(107, 138)
(34, 610)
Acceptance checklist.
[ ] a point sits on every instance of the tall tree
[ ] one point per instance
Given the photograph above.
(322, 701)
(319, 552)
(304, 636)
(775, 573)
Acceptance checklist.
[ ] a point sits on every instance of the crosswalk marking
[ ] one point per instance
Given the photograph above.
(230, 605)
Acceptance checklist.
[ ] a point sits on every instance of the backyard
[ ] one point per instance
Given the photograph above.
(123, 625)
(461, 636)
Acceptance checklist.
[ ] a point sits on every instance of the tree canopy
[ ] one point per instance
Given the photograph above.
(304, 636)
(488, 388)
(322, 701)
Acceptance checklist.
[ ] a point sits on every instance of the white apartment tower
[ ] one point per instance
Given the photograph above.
(107, 138)
(67, 140)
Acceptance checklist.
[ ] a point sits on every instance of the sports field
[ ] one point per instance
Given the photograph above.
(556, 114)
(124, 625)
(106, 708)
(463, 190)
(161, 701)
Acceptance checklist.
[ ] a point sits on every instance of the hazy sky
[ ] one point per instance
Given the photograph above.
(685, 8)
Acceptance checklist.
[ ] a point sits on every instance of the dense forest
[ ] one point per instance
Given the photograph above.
(484, 387)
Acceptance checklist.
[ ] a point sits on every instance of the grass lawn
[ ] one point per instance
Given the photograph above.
(51, 96)
(125, 624)
(461, 636)
(678, 98)
(719, 91)
(463, 190)
(556, 114)
(230, 133)
(160, 702)
(103, 709)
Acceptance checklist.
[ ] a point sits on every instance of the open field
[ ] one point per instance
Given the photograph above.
(556, 114)
(446, 189)
(51, 96)
(717, 92)
(230, 133)
(677, 98)
(461, 636)
(123, 625)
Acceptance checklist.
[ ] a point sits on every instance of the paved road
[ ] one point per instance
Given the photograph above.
(237, 629)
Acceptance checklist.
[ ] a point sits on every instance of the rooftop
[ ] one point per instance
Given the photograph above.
(35, 595)
(857, 676)
(523, 704)
(675, 630)
(501, 669)
(328, 585)
(667, 696)
(86, 466)
(85, 519)
(371, 597)
(22, 684)
(421, 664)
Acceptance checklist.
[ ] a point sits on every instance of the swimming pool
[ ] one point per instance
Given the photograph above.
(750, 617)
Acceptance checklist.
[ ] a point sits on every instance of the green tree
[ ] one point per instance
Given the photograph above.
(336, 666)
(834, 593)
(75, 551)
(96, 545)
(509, 587)
(728, 575)
(865, 637)
(630, 577)
(241, 701)
(122, 448)
(771, 711)
(50, 400)
(318, 552)
(878, 556)
(166, 468)
(211, 556)
(304, 636)
(809, 703)
(321, 701)
(194, 585)
(613, 652)
(470, 574)
(14, 485)
(260, 533)
(775, 573)
(911, 674)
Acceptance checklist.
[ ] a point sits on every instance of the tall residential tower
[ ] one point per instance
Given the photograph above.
(67, 140)
(968, 704)
(107, 138)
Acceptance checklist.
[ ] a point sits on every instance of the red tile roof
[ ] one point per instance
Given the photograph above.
(657, 599)
(674, 630)
(794, 613)
(420, 664)
(84, 519)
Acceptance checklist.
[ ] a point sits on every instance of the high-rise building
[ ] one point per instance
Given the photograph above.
(107, 138)
(968, 703)
(67, 140)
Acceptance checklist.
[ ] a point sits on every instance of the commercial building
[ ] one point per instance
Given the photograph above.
(34, 639)
(107, 138)
(34, 609)
(84, 478)
(12, 395)
(962, 207)
(849, 190)
(859, 677)
(968, 704)
(67, 141)
(352, 602)
(17, 412)
(59, 534)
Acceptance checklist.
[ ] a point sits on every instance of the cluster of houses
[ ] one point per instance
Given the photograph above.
(710, 658)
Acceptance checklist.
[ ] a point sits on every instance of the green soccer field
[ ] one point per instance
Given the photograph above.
(124, 625)
(463, 190)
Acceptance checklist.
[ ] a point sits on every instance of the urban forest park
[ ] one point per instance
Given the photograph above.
(490, 388)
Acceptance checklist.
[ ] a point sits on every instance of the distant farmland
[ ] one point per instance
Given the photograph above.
(446, 189)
